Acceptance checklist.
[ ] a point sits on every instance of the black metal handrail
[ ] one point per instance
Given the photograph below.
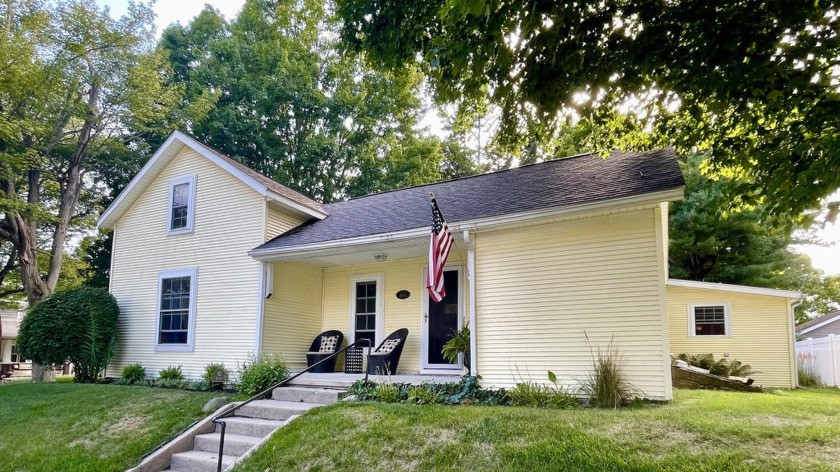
(219, 420)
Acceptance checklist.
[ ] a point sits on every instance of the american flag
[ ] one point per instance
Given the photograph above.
(439, 246)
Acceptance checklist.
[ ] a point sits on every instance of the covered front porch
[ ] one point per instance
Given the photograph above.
(365, 291)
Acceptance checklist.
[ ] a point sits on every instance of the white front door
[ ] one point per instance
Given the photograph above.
(441, 320)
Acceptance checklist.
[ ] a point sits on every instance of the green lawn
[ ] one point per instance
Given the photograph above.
(699, 430)
(73, 427)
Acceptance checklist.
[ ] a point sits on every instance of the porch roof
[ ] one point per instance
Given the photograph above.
(560, 183)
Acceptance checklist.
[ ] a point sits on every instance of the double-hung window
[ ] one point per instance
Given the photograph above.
(366, 312)
(176, 310)
(181, 205)
(711, 319)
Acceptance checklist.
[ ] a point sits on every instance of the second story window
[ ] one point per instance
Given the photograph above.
(181, 204)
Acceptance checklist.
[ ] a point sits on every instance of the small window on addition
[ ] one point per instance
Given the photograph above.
(710, 320)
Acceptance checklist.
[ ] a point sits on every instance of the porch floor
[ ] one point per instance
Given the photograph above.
(343, 381)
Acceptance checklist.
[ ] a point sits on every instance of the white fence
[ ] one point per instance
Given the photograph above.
(824, 356)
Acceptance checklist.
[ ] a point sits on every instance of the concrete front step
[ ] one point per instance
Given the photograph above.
(235, 444)
(273, 409)
(199, 461)
(255, 427)
(321, 396)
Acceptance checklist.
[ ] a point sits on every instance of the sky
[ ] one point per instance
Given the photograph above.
(170, 11)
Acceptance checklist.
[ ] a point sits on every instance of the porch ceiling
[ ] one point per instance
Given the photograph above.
(362, 253)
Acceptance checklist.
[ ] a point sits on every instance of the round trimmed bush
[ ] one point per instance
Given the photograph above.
(77, 325)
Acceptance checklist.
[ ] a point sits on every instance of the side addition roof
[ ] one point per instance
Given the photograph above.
(770, 292)
(270, 189)
(563, 183)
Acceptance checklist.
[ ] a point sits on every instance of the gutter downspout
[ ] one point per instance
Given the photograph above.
(792, 320)
(470, 242)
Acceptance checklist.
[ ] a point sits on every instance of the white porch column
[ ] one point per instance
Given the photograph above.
(470, 242)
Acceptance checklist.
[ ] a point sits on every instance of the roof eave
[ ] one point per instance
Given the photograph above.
(481, 224)
(745, 289)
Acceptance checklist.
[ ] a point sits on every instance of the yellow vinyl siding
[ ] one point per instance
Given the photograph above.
(229, 220)
(279, 221)
(761, 334)
(292, 316)
(539, 288)
(406, 274)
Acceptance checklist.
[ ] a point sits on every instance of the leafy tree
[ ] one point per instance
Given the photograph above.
(72, 79)
(714, 238)
(755, 82)
(77, 325)
(291, 106)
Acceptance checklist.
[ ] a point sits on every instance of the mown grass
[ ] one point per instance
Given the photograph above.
(75, 427)
(699, 430)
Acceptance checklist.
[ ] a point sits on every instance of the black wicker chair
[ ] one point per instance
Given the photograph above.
(384, 363)
(313, 356)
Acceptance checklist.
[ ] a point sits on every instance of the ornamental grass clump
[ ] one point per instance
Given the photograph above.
(806, 370)
(258, 373)
(171, 373)
(540, 395)
(606, 385)
(133, 374)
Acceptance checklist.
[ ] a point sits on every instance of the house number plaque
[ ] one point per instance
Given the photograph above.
(403, 294)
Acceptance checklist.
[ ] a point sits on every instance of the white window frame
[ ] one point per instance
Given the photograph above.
(187, 179)
(727, 316)
(191, 272)
(380, 305)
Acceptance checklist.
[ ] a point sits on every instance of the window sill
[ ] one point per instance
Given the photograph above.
(175, 232)
(174, 348)
(713, 336)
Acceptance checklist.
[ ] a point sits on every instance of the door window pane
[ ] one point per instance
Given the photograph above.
(365, 326)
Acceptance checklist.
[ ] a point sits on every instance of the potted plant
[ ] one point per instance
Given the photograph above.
(459, 343)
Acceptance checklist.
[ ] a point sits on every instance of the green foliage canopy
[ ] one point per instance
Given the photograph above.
(756, 82)
(76, 325)
(288, 104)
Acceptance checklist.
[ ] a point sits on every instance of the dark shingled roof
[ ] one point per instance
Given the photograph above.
(268, 183)
(552, 184)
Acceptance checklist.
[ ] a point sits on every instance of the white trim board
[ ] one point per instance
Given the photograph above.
(735, 288)
(167, 151)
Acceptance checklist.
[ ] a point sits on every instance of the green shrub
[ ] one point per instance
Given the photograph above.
(78, 325)
(465, 392)
(542, 396)
(198, 385)
(459, 343)
(423, 395)
(171, 373)
(722, 367)
(210, 370)
(605, 384)
(388, 393)
(133, 374)
(258, 373)
(171, 383)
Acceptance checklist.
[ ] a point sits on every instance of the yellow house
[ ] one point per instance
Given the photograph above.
(213, 261)
(749, 324)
